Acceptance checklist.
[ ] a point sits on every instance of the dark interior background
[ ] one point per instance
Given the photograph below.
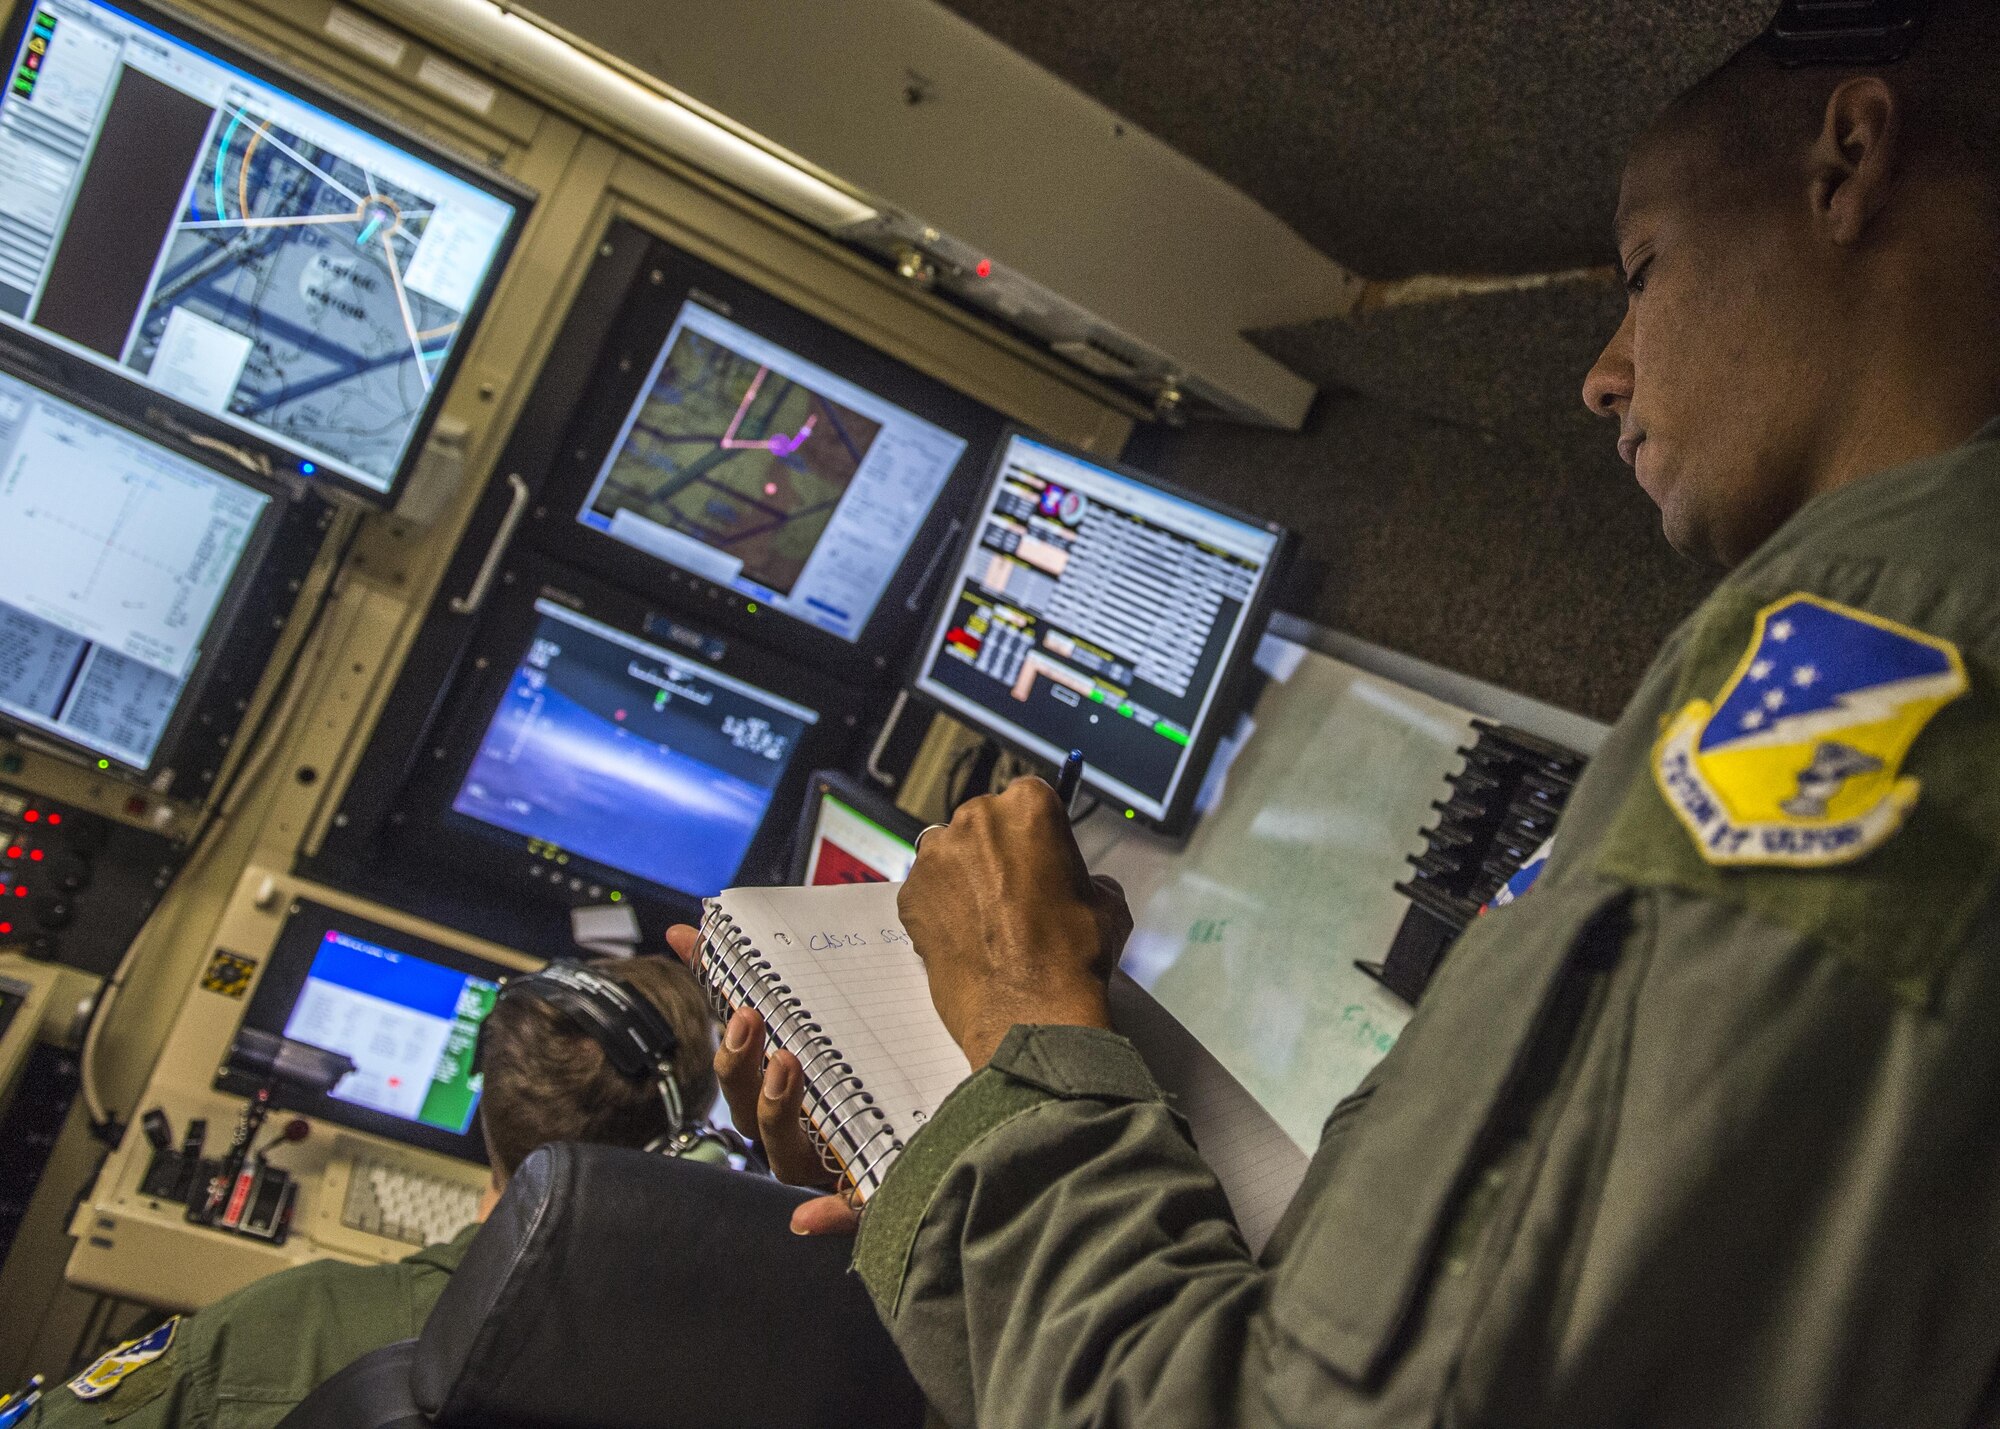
(1461, 504)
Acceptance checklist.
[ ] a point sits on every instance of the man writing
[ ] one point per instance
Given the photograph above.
(1702, 1130)
(249, 1358)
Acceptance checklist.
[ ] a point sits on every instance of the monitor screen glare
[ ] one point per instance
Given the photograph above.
(411, 1026)
(751, 467)
(230, 244)
(119, 553)
(632, 756)
(850, 847)
(1095, 612)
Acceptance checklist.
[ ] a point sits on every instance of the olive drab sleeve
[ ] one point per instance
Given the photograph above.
(1698, 1131)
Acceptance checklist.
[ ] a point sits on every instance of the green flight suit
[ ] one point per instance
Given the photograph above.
(1668, 1143)
(243, 1362)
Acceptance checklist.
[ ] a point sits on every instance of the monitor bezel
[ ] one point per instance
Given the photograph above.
(627, 305)
(867, 802)
(229, 50)
(493, 657)
(285, 971)
(249, 620)
(1231, 680)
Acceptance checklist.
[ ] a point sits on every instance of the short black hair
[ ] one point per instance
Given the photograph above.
(546, 1079)
(1762, 113)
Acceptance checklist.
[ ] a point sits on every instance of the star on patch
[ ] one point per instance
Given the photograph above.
(1754, 720)
(1780, 631)
(1805, 677)
(1761, 670)
(1774, 699)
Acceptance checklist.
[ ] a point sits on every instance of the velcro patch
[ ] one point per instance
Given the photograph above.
(109, 1370)
(1797, 762)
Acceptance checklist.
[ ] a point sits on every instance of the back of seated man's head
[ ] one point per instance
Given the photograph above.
(547, 1079)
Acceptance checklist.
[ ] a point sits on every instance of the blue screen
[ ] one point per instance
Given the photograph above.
(410, 1025)
(631, 756)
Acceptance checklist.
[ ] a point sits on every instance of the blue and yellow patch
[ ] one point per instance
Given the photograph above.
(110, 1370)
(1797, 762)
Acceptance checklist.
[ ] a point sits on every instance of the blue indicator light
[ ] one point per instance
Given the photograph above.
(307, 468)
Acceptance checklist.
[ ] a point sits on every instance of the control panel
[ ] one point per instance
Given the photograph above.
(75, 887)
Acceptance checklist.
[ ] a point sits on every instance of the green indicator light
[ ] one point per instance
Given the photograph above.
(1125, 710)
(1131, 813)
(616, 896)
(103, 764)
(1097, 695)
(751, 607)
(1169, 732)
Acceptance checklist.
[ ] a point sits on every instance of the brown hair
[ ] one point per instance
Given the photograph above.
(548, 1080)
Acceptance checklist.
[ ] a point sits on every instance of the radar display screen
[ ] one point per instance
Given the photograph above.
(166, 213)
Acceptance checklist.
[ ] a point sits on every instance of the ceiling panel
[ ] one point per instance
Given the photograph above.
(1403, 137)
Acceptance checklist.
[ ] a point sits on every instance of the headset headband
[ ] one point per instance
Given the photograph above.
(636, 1038)
(1860, 33)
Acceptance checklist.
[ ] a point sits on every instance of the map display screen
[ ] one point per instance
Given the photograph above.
(231, 245)
(411, 1026)
(644, 761)
(120, 554)
(750, 466)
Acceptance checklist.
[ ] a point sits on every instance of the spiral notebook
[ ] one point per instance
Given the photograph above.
(840, 987)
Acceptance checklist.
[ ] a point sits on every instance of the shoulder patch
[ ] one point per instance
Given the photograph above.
(1797, 762)
(110, 1370)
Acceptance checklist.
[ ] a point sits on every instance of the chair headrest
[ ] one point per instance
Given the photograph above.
(612, 1289)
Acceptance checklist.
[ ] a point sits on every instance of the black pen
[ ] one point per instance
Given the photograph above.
(1070, 779)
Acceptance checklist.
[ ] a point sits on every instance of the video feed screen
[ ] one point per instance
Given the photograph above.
(849, 847)
(749, 466)
(411, 1026)
(630, 755)
(119, 555)
(1096, 611)
(167, 214)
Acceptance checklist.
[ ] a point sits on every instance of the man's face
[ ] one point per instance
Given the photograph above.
(1715, 376)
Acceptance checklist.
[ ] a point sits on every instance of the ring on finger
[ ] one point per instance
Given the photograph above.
(918, 846)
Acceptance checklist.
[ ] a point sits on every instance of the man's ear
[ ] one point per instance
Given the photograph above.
(1855, 160)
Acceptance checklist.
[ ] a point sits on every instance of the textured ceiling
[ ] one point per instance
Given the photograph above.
(1398, 136)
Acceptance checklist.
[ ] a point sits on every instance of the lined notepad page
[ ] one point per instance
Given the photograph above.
(842, 951)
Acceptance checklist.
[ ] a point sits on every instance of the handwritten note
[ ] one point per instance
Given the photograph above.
(841, 957)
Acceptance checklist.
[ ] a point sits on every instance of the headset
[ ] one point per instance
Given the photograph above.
(1855, 33)
(637, 1041)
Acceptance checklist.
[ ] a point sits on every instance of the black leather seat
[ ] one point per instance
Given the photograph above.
(615, 1290)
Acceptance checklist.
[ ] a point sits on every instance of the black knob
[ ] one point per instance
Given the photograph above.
(72, 874)
(53, 912)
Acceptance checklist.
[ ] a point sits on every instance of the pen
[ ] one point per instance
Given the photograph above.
(1071, 778)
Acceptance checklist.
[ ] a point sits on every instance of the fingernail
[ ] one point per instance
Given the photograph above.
(776, 1079)
(794, 1228)
(736, 1035)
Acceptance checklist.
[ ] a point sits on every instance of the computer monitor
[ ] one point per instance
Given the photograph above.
(609, 751)
(849, 834)
(406, 1009)
(1099, 609)
(131, 566)
(236, 239)
(751, 462)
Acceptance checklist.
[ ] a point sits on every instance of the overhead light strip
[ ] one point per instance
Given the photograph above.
(546, 59)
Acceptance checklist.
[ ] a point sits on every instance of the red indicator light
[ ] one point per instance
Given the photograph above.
(14, 851)
(20, 890)
(33, 816)
(984, 267)
(6, 928)
(54, 819)
(34, 855)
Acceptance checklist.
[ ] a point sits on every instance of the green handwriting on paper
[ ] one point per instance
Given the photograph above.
(1354, 1019)
(1207, 930)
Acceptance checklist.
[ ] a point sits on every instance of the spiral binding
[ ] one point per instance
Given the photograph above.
(854, 1137)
